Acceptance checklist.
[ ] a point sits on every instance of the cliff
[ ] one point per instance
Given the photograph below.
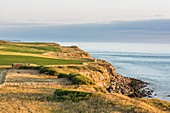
(67, 79)
(99, 71)
(105, 76)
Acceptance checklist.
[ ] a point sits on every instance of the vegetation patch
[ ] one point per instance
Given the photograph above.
(77, 79)
(46, 48)
(99, 89)
(20, 49)
(160, 104)
(67, 94)
(10, 59)
(48, 71)
(30, 49)
(73, 46)
(43, 70)
(79, 67)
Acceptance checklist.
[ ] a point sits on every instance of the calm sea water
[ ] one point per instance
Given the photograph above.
(147, 62)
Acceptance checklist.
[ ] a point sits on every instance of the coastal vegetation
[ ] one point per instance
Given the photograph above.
(74, 95)
(58, 79)
(77, 79)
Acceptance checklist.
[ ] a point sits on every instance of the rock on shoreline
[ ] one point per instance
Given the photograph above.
(120, 84)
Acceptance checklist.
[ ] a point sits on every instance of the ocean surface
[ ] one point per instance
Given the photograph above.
(147, 62)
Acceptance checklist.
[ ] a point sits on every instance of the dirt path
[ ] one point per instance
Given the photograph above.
(2, 76)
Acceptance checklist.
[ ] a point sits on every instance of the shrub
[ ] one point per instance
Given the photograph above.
(77, 79)
(81, 79)
(43, 70)
(73, 46)
(48, 71)
(30, 67)
(67, 94)
(62, 75)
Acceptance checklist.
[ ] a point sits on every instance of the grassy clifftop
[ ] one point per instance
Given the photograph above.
(40, 54)
(66, 80)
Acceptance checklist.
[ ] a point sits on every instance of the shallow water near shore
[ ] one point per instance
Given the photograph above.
(147, 62)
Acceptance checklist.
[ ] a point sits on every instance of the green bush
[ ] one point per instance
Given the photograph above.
(67, 94)
(77, 79)
(81, 79)
(62, 75)
(30, 67)
(48, 71)
(43, 70)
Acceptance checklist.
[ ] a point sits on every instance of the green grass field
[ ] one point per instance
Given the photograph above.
(9, 59)
(29, 49)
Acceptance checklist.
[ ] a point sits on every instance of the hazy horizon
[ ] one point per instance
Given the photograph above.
(145, 31)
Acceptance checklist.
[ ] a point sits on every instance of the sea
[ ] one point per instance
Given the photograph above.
(144, 61)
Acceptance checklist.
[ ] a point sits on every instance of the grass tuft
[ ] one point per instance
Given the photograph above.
(67, 94)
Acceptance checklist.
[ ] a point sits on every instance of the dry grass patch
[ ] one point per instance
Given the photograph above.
(32, 76)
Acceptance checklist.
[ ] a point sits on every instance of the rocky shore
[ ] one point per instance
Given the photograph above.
(105, 74)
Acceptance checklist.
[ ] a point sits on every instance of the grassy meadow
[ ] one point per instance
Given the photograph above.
(9, 59)
(34, 49)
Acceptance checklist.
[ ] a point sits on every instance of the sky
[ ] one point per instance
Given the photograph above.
(82, 11)
(146, 31)
(130, 21)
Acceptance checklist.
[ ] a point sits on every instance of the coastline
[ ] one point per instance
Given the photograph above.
(150, 66)
(69, 74)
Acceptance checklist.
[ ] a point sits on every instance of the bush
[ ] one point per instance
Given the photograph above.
(48, 71)
(43, 70)
(73, 46)
(62, 75)
(81, 79)
(77, 79)
(67, 94)
(30, 67)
